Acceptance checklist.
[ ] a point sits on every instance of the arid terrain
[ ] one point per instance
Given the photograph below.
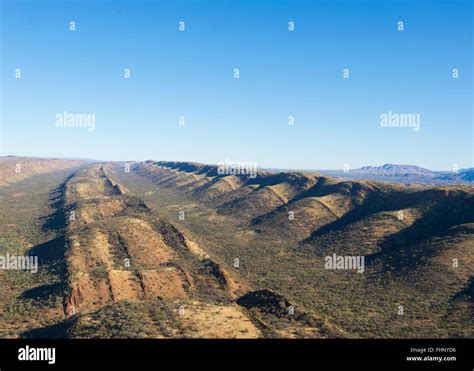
(176, 250)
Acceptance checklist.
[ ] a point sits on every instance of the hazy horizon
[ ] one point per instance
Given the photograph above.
(216, 163)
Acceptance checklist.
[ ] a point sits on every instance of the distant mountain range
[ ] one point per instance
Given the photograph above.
(405, 174)
(408, 174)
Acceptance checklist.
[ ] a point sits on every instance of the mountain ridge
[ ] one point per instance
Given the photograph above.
(238, 253)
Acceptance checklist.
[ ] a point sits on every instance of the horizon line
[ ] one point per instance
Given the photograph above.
(275, 168)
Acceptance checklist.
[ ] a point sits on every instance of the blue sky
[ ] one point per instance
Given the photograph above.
(282, 74)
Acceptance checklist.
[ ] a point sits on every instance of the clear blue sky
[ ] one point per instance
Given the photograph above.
(282, 73)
